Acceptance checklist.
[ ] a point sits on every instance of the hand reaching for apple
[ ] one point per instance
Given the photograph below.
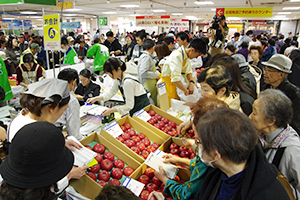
(70, 143)
(184, 126)
(188, 142)
(77, 172)
(161, 175)
(170, 158)
(156, 196)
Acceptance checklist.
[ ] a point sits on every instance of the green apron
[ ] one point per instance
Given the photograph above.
(150, 85)
(139, 101)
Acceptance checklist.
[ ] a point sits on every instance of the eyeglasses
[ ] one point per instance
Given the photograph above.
(197, 141)
(267, 69)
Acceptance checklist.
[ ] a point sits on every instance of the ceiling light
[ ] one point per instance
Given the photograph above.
(134, 15)
(36, 17)
(294, 0)
(191, 17)
(69, 15)
(291, 8)
(280, 16)
(108, 1)
(39, 19)
(28, 12)
(95, 16)
(109, 13)
(73, 10)
(213, 9)
(158, 10)
(8, 18)
(284, 13)
(129, 6)
(233, 18)
(203, 2)
(177, 14)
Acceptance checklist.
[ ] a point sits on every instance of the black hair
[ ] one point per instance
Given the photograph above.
(9, 44)
(236, 34)
(68, 74)
(281, 37)
(244, 44)
(109, 34)
(250, 32)
(141, 34)
(64, 41)
(2, 42)
(28, 58)
(221, 17)
(231, 48)
(113, 64)
(168, 40)
(199, 45)
(87, 74)
(272, 42)
(116, 192)
(294, 43)
(295, 55)
(148, 44)
(1, 33)
(96, 40)
(183, 36)
(264, 43)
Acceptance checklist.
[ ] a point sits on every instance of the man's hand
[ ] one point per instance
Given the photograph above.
(77, 172)
(170, 158)
(69, 143)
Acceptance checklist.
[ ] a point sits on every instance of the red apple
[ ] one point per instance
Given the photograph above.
(156, 181)
(158, 116)
(115, 182)
(136, 139)
(190, 151)
(131, 132)
(125, 136)
(161, 124)
(128, 171)
(92, 175)
(157, 126)
(150, 121)
(95, 168)
(104, 175)
(192, 155)
(106, 164)
(141, 136)
(144, 195)
(109, 155)
(165, 130)
(120, 139)
(151, 113)
(165, 120)
(116, 173)
(155, 119)
(102, 183)
(123, 128)
(151, 187)
(90, 148)
(145, 154)
(177, 179)
(118, 163)
(174, 151)
(173, 132)
(127, 125)
(99, 148)
(183, 148)
(146, 142)
(169, 128)
(173, 146)
(150, 149)
(155, 145)
(136, 150)
(172, 124)
(149, 172)
(191, 131)
(162, 186)
(99, 158)
(144, 179)
(184, 154)
(129, 143)
(141, 146)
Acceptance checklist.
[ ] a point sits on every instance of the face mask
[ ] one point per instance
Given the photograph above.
(63, 50)
(209, 164)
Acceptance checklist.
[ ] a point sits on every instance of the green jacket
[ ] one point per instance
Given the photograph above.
(71, 57)
(4, 83)
(25, 52)
(192, 187)
(101, 54)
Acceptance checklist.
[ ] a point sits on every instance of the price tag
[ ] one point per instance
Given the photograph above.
(114, 129)
(162, 88)
(143, 115)
(133, 185)
(159, 153)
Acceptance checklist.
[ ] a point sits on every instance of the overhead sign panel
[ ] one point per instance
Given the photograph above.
(179, 23)
(245, 12)
(70, 25)
(43, 2)
(153, 20)
(66, 5)
(51, 32)
(103, 21)
(4, 26)
(10, 1)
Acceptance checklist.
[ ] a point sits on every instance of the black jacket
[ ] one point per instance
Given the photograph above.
(259, 183)
(245, 71)
(92, 90)
(293, 93)
(114, 46)
(294, 77)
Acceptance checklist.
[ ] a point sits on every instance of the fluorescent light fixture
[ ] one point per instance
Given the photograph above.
(280, 16)
(39, 19)
(203, 2)
(130, 6)
(191, 17)
(213, 9)
(294, 0)
(28, 13)
(73, 10)
(284, 13)
(69, 15)
(291, 8)
(134, 15)
(158, 10)
(95, 16)
(8, 18)
(36, 17)
(177, 14)
(109, 13)
(233, 18)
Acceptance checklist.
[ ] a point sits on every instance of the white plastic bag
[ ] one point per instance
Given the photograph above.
(189, 98)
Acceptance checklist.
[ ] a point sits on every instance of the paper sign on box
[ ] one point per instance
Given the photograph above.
(113, 129)
(143, 115)
(134, 186)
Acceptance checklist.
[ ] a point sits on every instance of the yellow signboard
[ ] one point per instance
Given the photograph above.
(51, 32)
(66, 5)
(245, 12)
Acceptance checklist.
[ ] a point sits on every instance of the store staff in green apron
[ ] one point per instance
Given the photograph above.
(70, 54)
(29, 71)
(147, 73)
(133, 91)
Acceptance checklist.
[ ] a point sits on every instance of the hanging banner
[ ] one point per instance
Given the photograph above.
(43, 2)
(245, 12)
(51, 32)
(66, 5)
(71, 25)
(179, 23)
(27, 24)
(258, 22)
(153, 20)
(11, 1)
(4, 26)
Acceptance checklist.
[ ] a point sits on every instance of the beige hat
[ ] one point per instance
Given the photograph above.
(280, 62)
(3, 55)
(70, 38)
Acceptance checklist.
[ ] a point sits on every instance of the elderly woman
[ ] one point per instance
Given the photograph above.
(272, 113)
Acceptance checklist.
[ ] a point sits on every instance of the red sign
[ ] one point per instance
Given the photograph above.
(258, 22)
(220, 11)
(153, 20)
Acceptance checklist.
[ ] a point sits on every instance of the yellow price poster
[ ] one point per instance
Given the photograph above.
(245, 12)
(51, 32)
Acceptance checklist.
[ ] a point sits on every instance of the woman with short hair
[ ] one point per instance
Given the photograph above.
(272, 113)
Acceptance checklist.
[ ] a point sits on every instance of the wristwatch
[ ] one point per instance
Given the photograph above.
(192, 81)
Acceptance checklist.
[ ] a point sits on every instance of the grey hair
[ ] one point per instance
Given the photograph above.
(275, 104)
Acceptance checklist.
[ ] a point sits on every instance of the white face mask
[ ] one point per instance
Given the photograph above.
(63, 50)
(209, 164)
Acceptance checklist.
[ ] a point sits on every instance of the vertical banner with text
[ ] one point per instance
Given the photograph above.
(51, 32)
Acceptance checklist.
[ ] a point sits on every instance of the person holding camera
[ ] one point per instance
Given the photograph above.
(218, 33)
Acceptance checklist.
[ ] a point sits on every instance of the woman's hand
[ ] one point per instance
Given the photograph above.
(77, 96)
(91, 100)
(156, 196)
(170, 158)
(108, 111)
(191, 88)
(69, 143)
(161, 175)
(188, 142)
(77, 172)
(184, 126)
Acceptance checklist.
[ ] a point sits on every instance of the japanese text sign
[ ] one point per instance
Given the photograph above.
(245, 12)
(51, 32)
(153, 20)
(103, 21)
(179, 23)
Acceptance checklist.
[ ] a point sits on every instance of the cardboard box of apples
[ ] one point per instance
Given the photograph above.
(161, 122)
(136, 140)
(113, 165)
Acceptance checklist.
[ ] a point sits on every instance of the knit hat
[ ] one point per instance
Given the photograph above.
(129, 35)
(280, 62)
(47, 88)
(240, 59)
(37, 157)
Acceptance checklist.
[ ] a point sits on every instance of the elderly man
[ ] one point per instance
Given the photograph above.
(275, 76)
